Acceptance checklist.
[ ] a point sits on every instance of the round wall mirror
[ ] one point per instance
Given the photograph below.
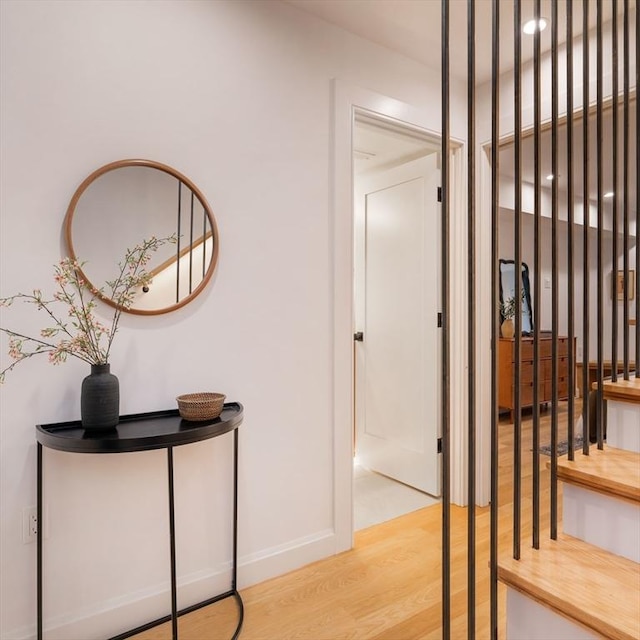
(125, 202)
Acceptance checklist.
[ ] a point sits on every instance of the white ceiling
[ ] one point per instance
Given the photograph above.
(378, 145)
(412, 28)
(506, 158)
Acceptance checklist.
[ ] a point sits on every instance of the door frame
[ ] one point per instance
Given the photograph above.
(347, 100)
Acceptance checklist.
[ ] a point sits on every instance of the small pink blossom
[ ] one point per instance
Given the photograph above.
(84, 336)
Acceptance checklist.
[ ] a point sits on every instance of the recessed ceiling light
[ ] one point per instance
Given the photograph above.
(609, 194)
(530, 27)
(550, 176)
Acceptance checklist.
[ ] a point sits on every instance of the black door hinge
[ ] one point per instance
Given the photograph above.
(439, 194)
(358, 336)
(439, 320)
(439, 445)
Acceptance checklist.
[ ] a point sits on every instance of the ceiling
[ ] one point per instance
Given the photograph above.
(506, 158)
(379, 145)
(412, 28)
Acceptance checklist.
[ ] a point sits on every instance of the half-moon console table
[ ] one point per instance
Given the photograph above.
(144, 432)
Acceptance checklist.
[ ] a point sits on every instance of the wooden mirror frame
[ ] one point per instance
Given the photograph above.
(119, 164)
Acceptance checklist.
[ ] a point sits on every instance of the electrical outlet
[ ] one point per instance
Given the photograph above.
(29, 525)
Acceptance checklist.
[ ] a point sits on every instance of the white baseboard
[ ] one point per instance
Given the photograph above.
(281, 559)
(135, 609)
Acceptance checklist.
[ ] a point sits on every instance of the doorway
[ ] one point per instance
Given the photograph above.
(396, 303)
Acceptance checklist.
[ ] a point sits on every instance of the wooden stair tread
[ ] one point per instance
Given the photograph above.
(590, 586)
(612, 471)
(624, 390)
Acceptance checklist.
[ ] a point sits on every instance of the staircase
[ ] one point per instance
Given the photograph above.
(586, 584)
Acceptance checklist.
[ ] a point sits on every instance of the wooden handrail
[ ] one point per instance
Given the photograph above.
(173, 259)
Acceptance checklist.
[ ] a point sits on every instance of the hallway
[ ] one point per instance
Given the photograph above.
(377, 498)
(388, 587)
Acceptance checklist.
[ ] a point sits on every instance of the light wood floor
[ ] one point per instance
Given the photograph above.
(389, 586)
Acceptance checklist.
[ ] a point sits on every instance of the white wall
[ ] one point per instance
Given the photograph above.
(237, 96)
(506, 244)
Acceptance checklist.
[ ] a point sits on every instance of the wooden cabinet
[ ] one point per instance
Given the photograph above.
(507, 366)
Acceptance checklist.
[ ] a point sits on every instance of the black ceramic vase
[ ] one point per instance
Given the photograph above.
(100, 399)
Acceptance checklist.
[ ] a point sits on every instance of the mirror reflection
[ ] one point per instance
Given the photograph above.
(508, 288)
(125, 202)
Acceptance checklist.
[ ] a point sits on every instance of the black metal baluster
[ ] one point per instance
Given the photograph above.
(625, 192)
(554, 272)
(446, 493)
(536, 283)
(571, 356)
(600, 297)
(495, 279)
(517, 419)
(471, 322)
(586, 219)
(637, 278)
(614, 187)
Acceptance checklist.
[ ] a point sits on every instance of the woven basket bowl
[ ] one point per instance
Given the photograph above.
(200, 406)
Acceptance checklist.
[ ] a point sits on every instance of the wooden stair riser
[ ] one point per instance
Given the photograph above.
(529, 620)
(601, 520)
(623, 425)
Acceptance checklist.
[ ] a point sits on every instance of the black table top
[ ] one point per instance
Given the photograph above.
(139, 432)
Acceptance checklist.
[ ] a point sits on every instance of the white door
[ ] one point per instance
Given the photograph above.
(397, 284)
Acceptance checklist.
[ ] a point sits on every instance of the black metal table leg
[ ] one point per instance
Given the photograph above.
(172, 545)
(39, 541)
(234, 574)
(143, 432)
